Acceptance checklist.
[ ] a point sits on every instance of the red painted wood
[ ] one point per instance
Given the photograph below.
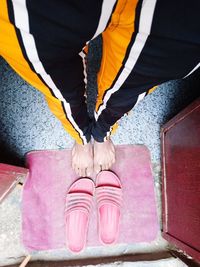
(9, 177)
(181, 180)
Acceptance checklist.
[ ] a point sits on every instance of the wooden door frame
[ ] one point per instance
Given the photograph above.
(165, 233)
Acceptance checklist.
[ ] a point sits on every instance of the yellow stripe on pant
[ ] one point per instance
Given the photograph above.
(152, 89)
(116, 39)
(10, 50)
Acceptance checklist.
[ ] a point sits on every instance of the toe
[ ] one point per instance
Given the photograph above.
(97, 168)
(108, 166)
(104, 166)
(76, 170)
(89, 171)
(84, 172)
(81, 172)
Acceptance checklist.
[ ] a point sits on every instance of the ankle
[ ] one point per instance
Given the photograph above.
(83, 145)
(104, 142)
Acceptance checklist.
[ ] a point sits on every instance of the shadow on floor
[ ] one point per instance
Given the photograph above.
(9, 155)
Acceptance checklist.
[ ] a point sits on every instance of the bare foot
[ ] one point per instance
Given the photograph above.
(104, 155)
(82, 159)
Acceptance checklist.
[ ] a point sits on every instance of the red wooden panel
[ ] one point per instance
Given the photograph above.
(181, 180)
(9, 177)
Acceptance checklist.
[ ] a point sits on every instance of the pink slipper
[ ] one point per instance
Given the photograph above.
(78, 206)
(109, 200)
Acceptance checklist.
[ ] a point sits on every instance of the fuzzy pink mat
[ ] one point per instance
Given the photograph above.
(50, 176)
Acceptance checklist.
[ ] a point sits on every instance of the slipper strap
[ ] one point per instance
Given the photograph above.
(109, 194)
(81, 201)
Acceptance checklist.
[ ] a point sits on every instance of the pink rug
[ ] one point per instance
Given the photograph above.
(50, 176)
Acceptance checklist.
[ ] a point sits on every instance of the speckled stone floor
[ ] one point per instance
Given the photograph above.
(27, 124)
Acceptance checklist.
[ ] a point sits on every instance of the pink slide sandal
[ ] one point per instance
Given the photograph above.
(109, 201)
(77, 213)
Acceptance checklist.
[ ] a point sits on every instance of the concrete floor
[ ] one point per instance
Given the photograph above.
(160, 263)
(27, 124)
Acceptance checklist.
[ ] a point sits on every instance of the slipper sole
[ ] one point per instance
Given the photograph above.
(78, 206)
(109, 200)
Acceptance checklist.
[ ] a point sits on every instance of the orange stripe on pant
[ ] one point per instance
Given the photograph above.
(10, 50)
(116, 39)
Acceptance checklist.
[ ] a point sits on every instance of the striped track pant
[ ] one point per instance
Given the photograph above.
(145, 43)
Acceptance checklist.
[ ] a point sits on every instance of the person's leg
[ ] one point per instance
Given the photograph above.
(115, 43)
(135, 59)
(54, 69)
